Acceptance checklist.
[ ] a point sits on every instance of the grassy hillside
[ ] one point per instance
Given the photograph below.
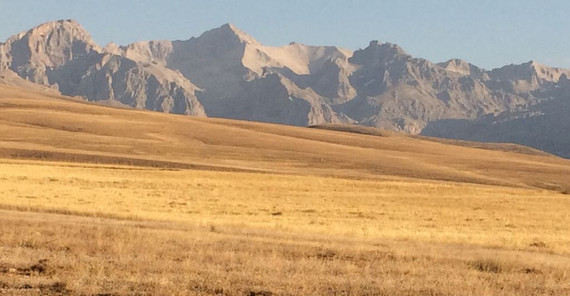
(34, 126)
(103, 201)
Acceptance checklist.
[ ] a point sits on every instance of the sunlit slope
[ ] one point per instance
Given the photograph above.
(40, 126)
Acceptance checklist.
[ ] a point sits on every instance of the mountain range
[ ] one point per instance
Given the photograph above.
(227, 73)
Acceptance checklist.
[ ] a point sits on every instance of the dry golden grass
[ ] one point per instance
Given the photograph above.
(133, 231)
(102, 201)
(419, 210)
(33, 126)
(95, 257)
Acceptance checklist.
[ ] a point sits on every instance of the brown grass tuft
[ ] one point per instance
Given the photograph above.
(488, 265)
(538, 244)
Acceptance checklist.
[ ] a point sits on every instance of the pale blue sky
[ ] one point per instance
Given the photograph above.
(488, 33)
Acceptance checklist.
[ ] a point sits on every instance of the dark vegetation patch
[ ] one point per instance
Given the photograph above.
(40, 268)
(538, 244)
(57, 288)
(260, 293)
(326, 255)
(531, 270)
(487, 265)
(28, 154)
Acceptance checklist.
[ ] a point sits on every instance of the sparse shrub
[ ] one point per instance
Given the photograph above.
(538, 244)
(531, 270)
(56, 288)
(260, 293)
(309, 211)
(487, 265)
(326, 255)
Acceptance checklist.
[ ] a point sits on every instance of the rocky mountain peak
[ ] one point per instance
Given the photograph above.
(228, 32)
(112, 48)
(464, 68)
(47, 46)
(457, 66)
(155, 52)
(54, 36)
(526, 77)
(547, 73)
(379, 52)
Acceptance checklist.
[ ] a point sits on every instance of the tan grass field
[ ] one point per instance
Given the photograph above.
(103, 201)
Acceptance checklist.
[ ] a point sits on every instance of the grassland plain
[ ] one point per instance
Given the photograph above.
(103, 201)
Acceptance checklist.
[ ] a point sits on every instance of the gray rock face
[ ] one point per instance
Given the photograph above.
(243, 79)
(139, 85)
(399, 92)
(4, 57)
(542, 126)
(49, 46)
(227, 73)
(62, 55)
(464, 68)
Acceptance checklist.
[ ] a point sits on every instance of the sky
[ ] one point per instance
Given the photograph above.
(487, 33)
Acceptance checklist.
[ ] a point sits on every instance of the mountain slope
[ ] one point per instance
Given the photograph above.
(63, 56)
(57, 128)
(543, 126)
(139, 85)
(380, 85)
(399, 92)
(244, 79)
(34, 53)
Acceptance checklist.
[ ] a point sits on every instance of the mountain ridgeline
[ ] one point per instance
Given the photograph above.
(227, 73)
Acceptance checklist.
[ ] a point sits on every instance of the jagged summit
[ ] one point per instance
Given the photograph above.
(379, 52)
(376, 44)
(456, 65)
(45, 30)
(47, 46)
(229, 31)
(531, 71)
(112, 48)
(465, 68)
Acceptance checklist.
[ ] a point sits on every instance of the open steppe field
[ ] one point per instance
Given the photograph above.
(104, 201)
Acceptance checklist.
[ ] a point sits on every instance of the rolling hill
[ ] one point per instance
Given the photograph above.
(35, 125)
